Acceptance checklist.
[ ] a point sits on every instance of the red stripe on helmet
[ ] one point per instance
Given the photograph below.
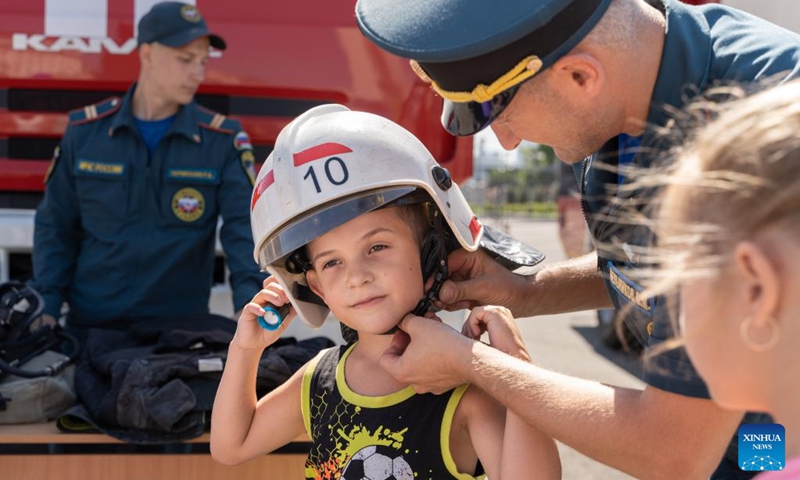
(265, 182)
(474, 227)
(320, 151)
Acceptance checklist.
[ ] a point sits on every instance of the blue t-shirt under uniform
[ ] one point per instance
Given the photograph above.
(152, 131)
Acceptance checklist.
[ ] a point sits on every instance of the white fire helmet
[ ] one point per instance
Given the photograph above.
(330, 165)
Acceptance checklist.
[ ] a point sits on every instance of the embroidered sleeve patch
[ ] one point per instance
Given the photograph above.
(242, 142)
(248, 164)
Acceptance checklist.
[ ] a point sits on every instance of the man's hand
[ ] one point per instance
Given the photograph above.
(428, 355)
(476, 279)
(40, 322)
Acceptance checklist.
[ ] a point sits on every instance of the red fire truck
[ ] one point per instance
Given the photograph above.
(283, 57)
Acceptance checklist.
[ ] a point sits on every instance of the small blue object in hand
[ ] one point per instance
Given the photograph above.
(273, 316)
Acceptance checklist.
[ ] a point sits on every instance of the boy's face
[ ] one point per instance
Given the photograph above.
(368, 271)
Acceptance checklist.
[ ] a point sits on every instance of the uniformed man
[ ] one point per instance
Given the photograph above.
(127, 228)
(594, 79)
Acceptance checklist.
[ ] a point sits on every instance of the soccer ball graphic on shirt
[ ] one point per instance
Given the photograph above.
(377, 462)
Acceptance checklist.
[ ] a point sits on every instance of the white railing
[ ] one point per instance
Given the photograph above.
(16, 236)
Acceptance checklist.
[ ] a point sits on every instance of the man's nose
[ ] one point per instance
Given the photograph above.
(505, 136)
(199, 72)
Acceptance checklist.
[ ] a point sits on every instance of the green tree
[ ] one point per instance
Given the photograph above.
(534, 180)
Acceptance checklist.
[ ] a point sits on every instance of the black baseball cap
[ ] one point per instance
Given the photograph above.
(175, 24)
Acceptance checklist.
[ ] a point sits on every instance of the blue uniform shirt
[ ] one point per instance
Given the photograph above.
(121, 239)
(705, 46)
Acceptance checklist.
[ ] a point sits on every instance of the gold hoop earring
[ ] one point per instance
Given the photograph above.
(774, 335)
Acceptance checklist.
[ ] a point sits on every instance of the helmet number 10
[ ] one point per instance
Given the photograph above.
(337, 175)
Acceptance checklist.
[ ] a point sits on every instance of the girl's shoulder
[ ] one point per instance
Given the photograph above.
(790, 472)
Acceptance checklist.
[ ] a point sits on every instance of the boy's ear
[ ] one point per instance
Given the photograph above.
(762, 281)
(580, 73)
(313, 283)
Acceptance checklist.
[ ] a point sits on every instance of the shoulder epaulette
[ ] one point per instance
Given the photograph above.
(95, 111)
(216, 121)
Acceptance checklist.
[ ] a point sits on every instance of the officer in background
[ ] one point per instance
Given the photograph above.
(572, 229)
(126, 231)
(596, 80)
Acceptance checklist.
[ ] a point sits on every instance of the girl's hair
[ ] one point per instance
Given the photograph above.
(738, 176)
(734, 171)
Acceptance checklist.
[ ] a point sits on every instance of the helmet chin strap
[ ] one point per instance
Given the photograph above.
(434, 265)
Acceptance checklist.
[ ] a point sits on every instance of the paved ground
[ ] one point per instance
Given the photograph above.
(567, 344)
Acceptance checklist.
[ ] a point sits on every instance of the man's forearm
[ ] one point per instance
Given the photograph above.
(619, 427)
(569, 286)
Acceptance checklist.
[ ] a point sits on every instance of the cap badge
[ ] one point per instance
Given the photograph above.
(190, 13)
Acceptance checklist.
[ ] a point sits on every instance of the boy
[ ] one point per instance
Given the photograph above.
(351, 213)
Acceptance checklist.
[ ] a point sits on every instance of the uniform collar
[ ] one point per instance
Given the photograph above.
(185, 123)
(684, 61)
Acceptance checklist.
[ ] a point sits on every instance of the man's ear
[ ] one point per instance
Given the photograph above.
(580, 72)
(761, 279)
(313, 283)
(145, 53)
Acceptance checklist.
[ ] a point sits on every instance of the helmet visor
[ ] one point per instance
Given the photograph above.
(469, 118)
(299, 232)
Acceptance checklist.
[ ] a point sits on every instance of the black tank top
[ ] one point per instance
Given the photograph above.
(401, 436)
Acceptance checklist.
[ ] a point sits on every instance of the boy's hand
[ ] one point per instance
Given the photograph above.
(502, 328)
(249, 334)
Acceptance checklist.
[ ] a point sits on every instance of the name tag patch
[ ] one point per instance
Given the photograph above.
(193, 174)
(629, 289)
(93, 167)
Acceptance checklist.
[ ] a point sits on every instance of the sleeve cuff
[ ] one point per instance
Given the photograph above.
(52, 305)
(242, 294)
(672, 371)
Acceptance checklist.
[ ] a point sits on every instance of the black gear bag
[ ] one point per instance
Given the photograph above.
(23, 338)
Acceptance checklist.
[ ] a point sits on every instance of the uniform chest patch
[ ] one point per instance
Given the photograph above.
(188, 204)
(629, 289)
(105, 169)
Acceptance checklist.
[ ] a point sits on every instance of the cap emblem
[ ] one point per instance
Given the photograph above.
(190, 13)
